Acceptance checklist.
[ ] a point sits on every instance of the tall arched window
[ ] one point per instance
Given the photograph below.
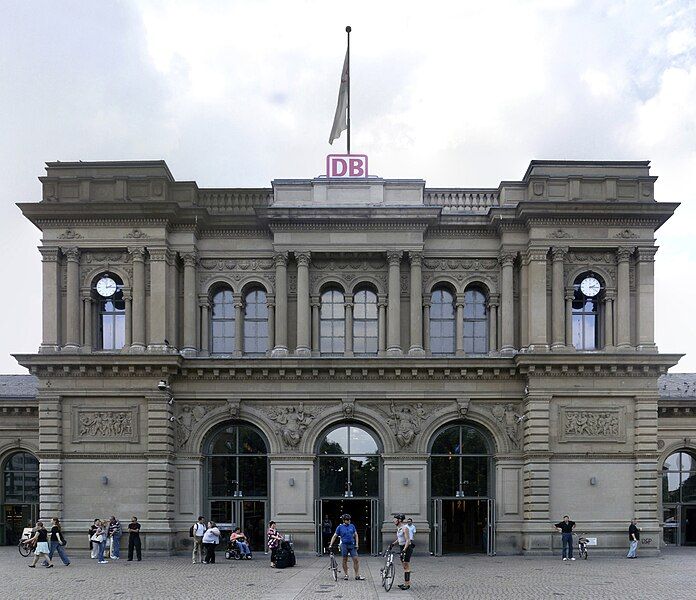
(679, 498)
(332, 324)
(442, 321)
(459, 463)
(222, 325)
(586, 306)
(348, 463)
(255, 323)
(107, 289)
(365, 322)
(19, 501)
(475, 321)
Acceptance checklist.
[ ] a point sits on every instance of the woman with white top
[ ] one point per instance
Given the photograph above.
(211, 538)
(405, 541)
(42, 549)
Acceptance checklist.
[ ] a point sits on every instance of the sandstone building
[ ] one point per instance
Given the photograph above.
(480, 359)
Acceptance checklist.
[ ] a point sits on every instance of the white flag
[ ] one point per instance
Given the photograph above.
(340, 122)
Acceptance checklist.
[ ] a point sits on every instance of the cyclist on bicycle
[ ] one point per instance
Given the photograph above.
(348, 535)
(404, 539)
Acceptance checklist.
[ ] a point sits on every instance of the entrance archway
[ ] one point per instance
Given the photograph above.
(679, 498)
(236, 479)
(462, 491)
(20, 495)
(349, 472)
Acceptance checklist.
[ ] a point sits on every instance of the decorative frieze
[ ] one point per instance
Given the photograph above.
(592, 424)
(292, 422)
(405, 421)
(105, 425)
(508, 418)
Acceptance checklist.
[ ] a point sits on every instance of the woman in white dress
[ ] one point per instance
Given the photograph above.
(42, 549)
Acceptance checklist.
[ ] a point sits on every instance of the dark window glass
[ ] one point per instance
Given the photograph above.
(253, 480)
(447, 442)
(365, 323)
(250, 442)
(255, 323)
(459, 463)
(333, 475)
(225, 442)
(442, 322)
(364, 475)
(332, 325)
(444, 475)
(222, 323)
(221, 511)
(21, 478)
(223, 476)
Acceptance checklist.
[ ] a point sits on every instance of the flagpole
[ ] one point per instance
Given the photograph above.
(348, 29)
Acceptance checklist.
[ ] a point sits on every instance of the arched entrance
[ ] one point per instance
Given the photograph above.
(348, 481)
(679, 498)
(20, 495)
(462, 491)
(236, 479)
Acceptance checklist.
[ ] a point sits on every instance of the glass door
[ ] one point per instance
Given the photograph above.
(376, 527)
(15, 518)
(490, 528)
(671, 519)
(436, 527)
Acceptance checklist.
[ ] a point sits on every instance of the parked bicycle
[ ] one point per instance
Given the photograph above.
(24, 546)
(387, 571)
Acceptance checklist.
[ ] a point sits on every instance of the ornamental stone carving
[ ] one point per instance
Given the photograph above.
(70, 234)
(508, 420)
(108, 425)
(559, 233)
(626, 234)
(292, 423)
(189, 415)
(405, 422)
(592, 424)
(136, 234)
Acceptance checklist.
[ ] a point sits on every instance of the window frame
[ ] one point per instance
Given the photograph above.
(368, 340)
(212, 319)
(332, 322)
(440, 320)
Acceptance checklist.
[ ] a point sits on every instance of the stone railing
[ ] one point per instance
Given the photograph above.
(235, 201)
(457, 200)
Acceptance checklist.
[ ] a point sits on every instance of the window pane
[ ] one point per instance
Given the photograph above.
(250, 442)
(474, 476)
(120, 332)
(671, 483)
(14, 487)
(589, 333)
(361, 442)
(577, 332)
(221, 511)
(253, 475)
(672, 462)
(336, 442)
(364, 475)
(225, 442)
(223, 473)
(447, 442)
(333, 475)
(473, 442)
(371, 346)
(444, 475)
(687, 462)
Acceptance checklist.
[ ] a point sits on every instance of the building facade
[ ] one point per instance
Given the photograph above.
(480, 359)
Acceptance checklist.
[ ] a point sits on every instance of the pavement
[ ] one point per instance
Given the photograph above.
(672, 575)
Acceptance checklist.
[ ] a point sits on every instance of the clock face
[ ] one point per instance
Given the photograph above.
(590, 287)
(106, 287)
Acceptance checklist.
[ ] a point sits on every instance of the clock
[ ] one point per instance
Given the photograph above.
(590, 287)
(106, 287)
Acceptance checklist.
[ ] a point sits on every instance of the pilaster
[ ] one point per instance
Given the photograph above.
(72, 338)
(138, 260)
(303, 334)
(623, 300)
(190, 265)
(645, 299)
(281, 314)
(159, 260)
(394, 304)
(416, 348)
(557, 298)
(507, 321)
(50, 463)
(50, 269)
(645, 489)
(536, 257)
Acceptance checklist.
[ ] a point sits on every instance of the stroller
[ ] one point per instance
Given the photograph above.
(285, 556)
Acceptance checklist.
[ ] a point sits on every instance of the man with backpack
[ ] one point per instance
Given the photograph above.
(196, 532)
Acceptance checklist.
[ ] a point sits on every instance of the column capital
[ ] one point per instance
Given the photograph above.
(394, 257)
(302, 258)
(190, 258)
(382, 299)
(280, 259)
(646, 253)
(506, 257)
(315, 301)
(137, 253)
(159, 254)
(127, 295)
(536, 253)
(609, 295)
(570, 294)
(624, 253)
(493, 300)
(416, 258)
(72, 254)
(559, 253)
(49, 253)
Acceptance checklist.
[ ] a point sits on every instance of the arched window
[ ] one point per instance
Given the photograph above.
(107, 289)
(21, 479)
(255, 323)
(365, 323)
(222, 325)
(459, 463)
(679, 497)
(475, 321)
(332, 324)
(442, 321)
(586, 305)
(348, 463)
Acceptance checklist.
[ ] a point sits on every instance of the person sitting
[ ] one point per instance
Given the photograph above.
(240, 539)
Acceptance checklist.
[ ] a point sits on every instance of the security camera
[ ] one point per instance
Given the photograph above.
(172, 419)
(171, 400)
(162, 386)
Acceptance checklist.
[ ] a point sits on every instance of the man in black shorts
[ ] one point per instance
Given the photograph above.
(404, 539)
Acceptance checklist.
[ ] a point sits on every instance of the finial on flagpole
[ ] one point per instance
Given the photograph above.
(348, 29)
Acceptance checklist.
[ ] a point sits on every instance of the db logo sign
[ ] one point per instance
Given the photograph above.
(346, 165)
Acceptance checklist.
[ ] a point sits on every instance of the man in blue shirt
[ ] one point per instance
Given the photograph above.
(348, 535)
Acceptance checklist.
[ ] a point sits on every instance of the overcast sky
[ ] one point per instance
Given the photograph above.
(235, 94)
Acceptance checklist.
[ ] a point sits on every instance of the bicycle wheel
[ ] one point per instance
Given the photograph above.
(388, 577)
(24, 549)
(334, 569)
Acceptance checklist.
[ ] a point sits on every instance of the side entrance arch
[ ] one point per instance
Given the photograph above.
(20, 495)
(462, 490)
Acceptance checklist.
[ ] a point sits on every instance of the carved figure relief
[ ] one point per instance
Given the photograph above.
(293, 423)
(509, 421)
(106, 425)
(585, 424)
(405, 422)
(188, 417)
(70, 234)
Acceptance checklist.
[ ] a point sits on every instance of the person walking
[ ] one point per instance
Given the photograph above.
(197, 531)
(326, 533)
(40, 538)
(93, 546)
(633, 536)
(115, 533)
(404, 540)
(211, 538)
(240, 540)
(350, 541)
(411, 527)
(134, 539)
(566, 527)
(99, 537)
(273, 539)
(56, 543)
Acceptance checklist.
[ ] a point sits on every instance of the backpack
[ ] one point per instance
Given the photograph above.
(191, 530)
(285, 556)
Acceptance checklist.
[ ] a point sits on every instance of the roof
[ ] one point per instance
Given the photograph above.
(18, 386)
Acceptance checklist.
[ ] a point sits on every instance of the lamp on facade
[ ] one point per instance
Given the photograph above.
(104, 480)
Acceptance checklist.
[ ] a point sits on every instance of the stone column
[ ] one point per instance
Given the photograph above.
(138, 258)
(302, 348)
(51, 299)
(281, 316)
(87, 339)
(238, 324)
(569, 296)
(190, 261)
(316, 306)
(524, 301)
(609, 320)
(536, 257)
(159, 259)
(128, 338)
(72, 341)
(204, 304)
(348, 304)
(507, 321)
(557, 298)
(173, 303)
(270, 305)
(426, 324)
(50, 463)
(493, 301)
(623, 300)
(416, 348)
(394, 304)
(381, 325)
(459, 326)
(645, 296)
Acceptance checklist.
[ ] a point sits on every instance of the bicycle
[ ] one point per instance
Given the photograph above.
(333, 564)
(387, 571)
(24, 548)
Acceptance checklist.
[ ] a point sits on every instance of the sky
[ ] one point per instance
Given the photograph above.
(235, 94)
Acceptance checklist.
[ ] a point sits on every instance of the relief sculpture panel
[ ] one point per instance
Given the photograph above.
(592, 424)
(105, 425)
